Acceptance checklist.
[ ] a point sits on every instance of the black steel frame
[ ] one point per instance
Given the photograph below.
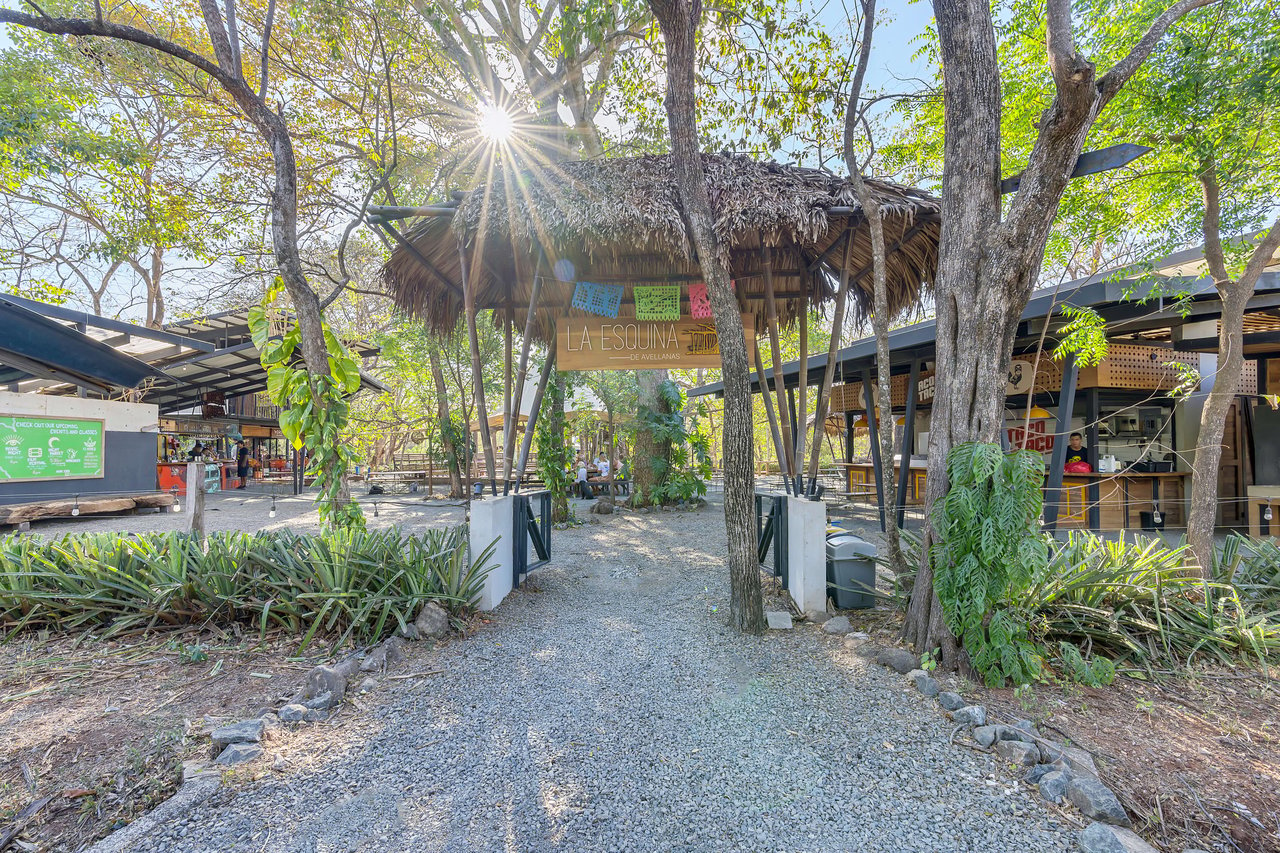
(771, 529)
(529, 527)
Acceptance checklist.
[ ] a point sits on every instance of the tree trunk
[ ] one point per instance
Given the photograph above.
(448, 439)
(651, 458)
(679, 20)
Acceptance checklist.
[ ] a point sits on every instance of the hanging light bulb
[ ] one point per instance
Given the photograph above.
(272, 514)
(1266, 512)
(75, 510)
(1156, 517)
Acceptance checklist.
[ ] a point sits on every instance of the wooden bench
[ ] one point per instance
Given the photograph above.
(20, 515)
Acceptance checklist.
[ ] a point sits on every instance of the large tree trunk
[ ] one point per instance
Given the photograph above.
(679, 20)
(651, 458)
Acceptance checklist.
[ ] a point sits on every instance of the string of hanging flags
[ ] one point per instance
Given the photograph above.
(653, 302)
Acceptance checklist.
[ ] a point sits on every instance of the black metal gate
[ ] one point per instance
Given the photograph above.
(771, 530)
(532, 514)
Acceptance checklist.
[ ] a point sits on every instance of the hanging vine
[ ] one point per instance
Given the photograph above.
(313, 407)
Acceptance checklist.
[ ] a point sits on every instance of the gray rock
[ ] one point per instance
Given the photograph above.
(368, 685)
(320, 702)
(325, 680)
(1035, 774)
(1018, 753)
(817, 617)
(603, 507)
(900, 661)
(924, 682)
(1097, 801)
(245, 731)
(1071, 757)
(837, 625)
(970, 715)
(1053, 786)
(238, 753)
(1101, 838)
(292, 713)
(985, 735)
(778, 620)
(432, 621)
(313, 716)
(386, 654)
(408, 632)
(1026, 726)
(951, 701)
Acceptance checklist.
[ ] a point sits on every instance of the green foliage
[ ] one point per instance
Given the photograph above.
(351, 585)
(684, 475)
(555, 462)
(1252, 566)
(1136, 603)
(988, 546)
(314, 408)
(1084, 336)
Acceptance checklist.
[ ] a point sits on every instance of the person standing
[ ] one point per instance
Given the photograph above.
(584, 489)
(242, 463)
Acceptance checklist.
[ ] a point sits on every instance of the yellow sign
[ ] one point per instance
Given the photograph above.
(601, 343)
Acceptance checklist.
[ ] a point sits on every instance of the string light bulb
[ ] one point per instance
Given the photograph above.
(75, 510)
(177, 504)
(272, 514)
(1156, 517)
(1266, 512)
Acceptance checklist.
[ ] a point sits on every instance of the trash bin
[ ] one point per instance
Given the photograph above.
(851, 571)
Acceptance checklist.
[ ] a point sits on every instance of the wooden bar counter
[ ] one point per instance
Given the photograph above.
(1122, 496)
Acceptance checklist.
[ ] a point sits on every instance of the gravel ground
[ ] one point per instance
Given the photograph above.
(608, 707)
(249, 510)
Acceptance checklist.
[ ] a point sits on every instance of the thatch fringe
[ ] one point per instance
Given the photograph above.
(621, 221)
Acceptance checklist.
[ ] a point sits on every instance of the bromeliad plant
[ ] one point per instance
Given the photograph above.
(313, 407)
(351, 585)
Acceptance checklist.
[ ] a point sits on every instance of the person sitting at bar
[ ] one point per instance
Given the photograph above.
(196, 452)
(1077, 455)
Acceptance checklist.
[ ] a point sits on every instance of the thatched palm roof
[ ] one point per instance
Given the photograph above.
(621, 221)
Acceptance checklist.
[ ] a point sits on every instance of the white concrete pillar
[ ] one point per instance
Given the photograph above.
(807, 553)
(493, 520)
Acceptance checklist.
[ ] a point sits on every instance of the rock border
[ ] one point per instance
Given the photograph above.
(241, 741)
(1060, 772)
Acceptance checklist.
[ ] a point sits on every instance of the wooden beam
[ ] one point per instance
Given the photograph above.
(768, 410)
(803, 407)
(547, 367)
(828, 375)
(775, 350)
(482, 409)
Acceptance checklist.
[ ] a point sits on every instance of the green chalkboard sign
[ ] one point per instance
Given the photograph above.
(40, 448)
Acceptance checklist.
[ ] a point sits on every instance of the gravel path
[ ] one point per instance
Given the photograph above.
(608, 707)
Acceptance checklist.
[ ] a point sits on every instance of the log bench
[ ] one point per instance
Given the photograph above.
(14, 515)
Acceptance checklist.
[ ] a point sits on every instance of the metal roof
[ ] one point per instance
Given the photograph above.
(37, 348)
(1114, 299)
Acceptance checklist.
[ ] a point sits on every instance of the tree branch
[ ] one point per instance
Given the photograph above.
(1211, 224)
(266, 47)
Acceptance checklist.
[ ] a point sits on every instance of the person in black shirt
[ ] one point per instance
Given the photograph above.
(195, 452)
(242, 463)
(1076, 450)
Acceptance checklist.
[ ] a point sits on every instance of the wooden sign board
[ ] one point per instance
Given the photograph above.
(602, 343)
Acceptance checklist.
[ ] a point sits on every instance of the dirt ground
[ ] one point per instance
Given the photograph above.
(1195, 759)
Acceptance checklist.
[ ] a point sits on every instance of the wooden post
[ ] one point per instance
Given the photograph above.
(521, 375)
(482, 409)
(768, 410)
(508, 429)
(775, 350)
(1094, 415)
(801, 431)
(195, 499)
(828, 376)
(545, 376)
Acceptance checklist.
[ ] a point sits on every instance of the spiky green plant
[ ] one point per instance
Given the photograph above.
(351, 584)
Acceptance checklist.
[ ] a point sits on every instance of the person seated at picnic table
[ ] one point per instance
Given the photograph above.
(620, 478)
(583, 488)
